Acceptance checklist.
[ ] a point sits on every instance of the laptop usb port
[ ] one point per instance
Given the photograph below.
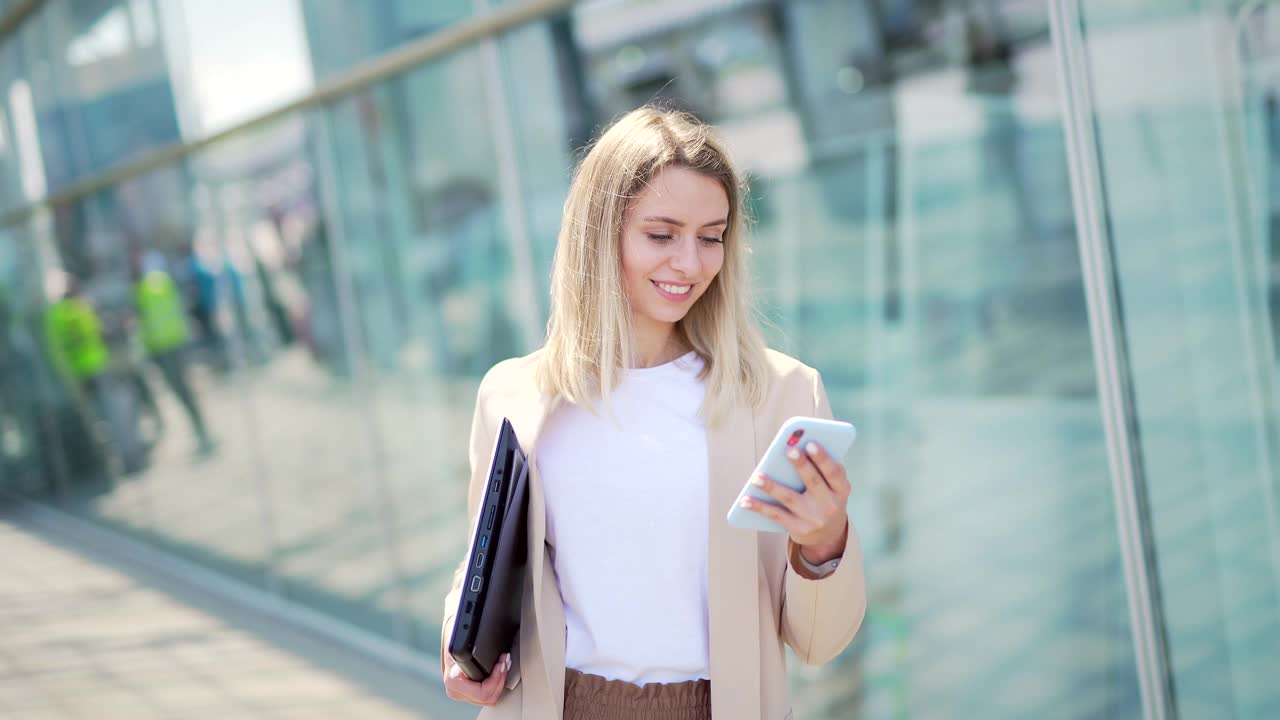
(475, 584)
(479, 560)
(484, 541)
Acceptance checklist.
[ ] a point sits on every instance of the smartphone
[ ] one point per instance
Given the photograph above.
(834, 436)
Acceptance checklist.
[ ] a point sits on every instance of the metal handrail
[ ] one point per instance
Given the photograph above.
(358, 78)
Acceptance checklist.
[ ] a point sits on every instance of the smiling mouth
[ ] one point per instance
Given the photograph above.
(670, 289)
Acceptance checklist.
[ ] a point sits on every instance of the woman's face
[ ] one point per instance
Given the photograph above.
(672, 245)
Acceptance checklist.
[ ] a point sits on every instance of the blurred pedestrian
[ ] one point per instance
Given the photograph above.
(81, 359)
(163, 325)
(643, 415)
(77, 349)
(204, 309)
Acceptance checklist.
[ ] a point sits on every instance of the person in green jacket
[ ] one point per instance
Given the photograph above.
(73, 339)
(80, 358)
(162, 322)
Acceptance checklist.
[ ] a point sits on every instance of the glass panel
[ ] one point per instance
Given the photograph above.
(348, 277)
(234, 59)
(102, 86)
(344, 33)
(105, 416)
(1259, 53)
(203, 472)
(537, 64)
(30, 450)
(44, 419)
(310, 400)
(10, 169)
(152, 432)
(432, 273)
(1181, 115)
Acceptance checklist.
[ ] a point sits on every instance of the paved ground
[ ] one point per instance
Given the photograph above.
(84, 636)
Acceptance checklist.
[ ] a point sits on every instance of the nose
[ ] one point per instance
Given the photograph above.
(685, 259)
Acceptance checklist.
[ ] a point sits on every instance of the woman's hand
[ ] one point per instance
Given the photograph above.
(460, 687)
(817, 518)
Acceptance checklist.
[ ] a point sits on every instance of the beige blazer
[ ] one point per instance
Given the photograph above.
(758, 599)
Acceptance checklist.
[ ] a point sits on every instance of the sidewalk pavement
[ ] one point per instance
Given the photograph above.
(83, 635)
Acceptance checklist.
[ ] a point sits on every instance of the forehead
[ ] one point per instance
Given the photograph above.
(684, 191)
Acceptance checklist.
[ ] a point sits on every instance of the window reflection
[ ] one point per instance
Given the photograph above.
(348, 274)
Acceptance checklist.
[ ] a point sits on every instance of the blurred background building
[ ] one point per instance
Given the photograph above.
(255, 256)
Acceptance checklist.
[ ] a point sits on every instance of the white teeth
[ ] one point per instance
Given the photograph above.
(676, 289)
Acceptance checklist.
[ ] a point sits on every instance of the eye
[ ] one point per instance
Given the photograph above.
(713, 240)
(658, 237)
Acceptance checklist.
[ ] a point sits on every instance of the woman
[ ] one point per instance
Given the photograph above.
(644, 414)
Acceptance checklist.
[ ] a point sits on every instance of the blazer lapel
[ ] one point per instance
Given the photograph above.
(733, 574)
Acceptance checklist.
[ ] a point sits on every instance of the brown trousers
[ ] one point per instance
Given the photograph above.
(590, 697)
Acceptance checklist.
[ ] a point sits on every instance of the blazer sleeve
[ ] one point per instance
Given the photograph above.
(482, 434)
(821, 615)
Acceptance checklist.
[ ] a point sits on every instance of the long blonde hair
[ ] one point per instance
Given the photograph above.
(590, 336)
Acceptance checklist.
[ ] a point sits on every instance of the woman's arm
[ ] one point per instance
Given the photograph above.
(820, 615)
(457, 685)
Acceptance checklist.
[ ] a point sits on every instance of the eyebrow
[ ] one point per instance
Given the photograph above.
(677, 223)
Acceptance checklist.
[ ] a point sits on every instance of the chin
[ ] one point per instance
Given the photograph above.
(670, 317)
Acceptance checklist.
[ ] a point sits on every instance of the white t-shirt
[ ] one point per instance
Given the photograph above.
(626, 506)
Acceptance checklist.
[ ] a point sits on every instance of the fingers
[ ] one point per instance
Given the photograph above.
(811, 516)
(794, 524)
(491, 689)
(807, 470)
(776, 490)
(459, 687)
(832, 471)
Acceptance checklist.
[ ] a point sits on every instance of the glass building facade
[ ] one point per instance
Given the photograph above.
(1032, 246)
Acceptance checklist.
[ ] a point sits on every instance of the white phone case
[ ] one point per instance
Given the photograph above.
(834, 436)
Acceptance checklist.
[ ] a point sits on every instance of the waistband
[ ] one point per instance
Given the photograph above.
(595, 697)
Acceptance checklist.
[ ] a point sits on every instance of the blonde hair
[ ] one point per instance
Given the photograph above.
(590, 336)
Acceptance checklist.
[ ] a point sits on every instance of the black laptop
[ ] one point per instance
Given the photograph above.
(489, 611)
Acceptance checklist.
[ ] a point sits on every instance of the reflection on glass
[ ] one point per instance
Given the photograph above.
(289, 397)
(1183, 148)
(432, 278)
(344, 33)
(98, 64)
(202, 479)
(30, 456)
(282, 299)
(235, 59)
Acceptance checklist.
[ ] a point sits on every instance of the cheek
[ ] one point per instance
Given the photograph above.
(629, 260)
(714, 262)
(634, 267)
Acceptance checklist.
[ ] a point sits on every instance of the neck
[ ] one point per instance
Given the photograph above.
(657, 345)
